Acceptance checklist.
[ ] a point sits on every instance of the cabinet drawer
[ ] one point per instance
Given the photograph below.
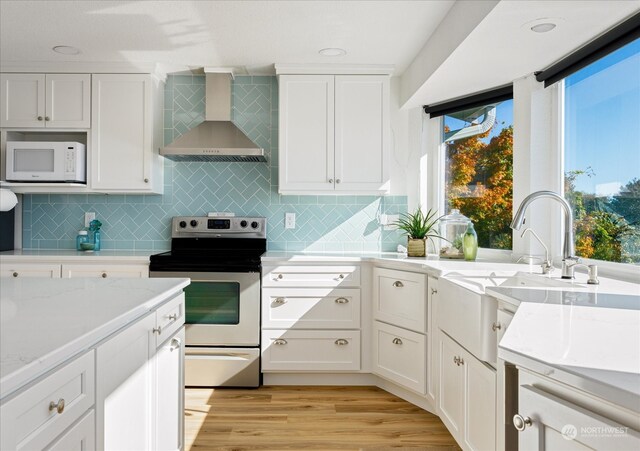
(29, 270)
(106, 271)
(30, 422)
(400, 355)
(169, 318)
(81, 435)
(313, 308)
(310, 350)
(311, 276)
(400, 298)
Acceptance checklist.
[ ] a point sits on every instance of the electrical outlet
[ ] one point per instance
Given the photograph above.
(88, 217)
(289, 220)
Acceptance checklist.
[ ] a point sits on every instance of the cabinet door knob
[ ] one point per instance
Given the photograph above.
(280, 301)
(396, 341)
(455, 360)
(157, 330)
(398, 284)
(280, 342)
(46, 118)
(342, 342)
(146, 180)
(15, 274)
(496, 326)
(278, 277)
(337, 180)
(40, 118)
(175, 343)
(57, 406)
(104, 275)
(330, 180)
(521, 423)
(341, 276)
(434, 291)
(342, 301)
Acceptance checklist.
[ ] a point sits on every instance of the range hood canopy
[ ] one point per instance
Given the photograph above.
(217, 138)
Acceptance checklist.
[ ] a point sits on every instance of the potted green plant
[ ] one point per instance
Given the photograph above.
(419, 227)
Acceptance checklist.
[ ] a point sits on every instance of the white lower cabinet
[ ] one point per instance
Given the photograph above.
(400, 355)
(35, 417)
(169, 394)
(105, 271)
(140, 380)
(50, 271)
(549, 422)
(311, 318)
(124, 388)
(467, 396)
(310, 350)
(81, 436)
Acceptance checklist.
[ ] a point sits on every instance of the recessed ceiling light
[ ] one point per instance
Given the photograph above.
(66, 50)
(543, 27)
(332, 51)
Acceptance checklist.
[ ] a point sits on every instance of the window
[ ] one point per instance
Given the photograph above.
(602, 155)
(479, 169)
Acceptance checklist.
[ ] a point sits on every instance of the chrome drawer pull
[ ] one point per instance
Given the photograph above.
(280, 341)
(280, 301)
(59, 406)
(433, 291)
(157, 330)
(397, 341)
(521, 423)
(341, 276)
(104, 275)
(15, 274)
(172, 317)
(398, 284)
(342, 301)
(278, 277)
(341, 342)
(496, 326)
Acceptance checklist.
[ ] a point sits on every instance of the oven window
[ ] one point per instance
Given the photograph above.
(212, 303)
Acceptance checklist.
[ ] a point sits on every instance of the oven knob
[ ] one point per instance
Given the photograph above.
(182, 224)
(243, 223)
(254, 225)
(193, 223)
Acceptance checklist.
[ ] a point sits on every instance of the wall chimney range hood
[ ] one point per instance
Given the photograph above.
(217, 138)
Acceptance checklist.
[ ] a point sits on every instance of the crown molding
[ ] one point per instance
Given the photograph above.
(334, 69)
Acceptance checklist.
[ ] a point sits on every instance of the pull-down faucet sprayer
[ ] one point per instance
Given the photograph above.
(569, 260)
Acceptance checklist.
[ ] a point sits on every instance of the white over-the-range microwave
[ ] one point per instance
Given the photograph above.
(32, 161)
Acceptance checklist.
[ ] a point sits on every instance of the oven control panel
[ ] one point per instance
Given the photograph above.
(213, 226)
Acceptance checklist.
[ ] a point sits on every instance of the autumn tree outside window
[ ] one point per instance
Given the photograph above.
(479, 170)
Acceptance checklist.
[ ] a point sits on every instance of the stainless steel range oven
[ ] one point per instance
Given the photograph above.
(221, 255)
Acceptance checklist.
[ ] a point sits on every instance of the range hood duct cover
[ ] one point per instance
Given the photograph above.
(217, 138)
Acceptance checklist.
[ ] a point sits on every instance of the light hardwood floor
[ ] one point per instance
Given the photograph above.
(298, 418)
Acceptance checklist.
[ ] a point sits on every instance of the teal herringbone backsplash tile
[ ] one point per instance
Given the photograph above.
(323, 223)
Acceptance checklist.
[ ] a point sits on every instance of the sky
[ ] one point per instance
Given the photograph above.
(602, 121)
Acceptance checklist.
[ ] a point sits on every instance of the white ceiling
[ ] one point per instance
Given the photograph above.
(502, 47)
(253, 35)
(249, 34)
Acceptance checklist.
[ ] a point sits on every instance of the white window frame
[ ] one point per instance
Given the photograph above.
(540, 118)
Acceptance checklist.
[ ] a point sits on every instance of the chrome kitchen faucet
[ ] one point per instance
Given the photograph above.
(569, 260)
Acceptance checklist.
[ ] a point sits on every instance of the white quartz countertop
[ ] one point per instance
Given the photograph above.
(44, 322)
(579, 334)
(62, 255)
(431, 264)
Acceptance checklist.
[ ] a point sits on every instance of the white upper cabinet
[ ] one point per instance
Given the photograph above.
(306, 133)
(126, 133)
(51, 100)
(334, 132)
(361, 132)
